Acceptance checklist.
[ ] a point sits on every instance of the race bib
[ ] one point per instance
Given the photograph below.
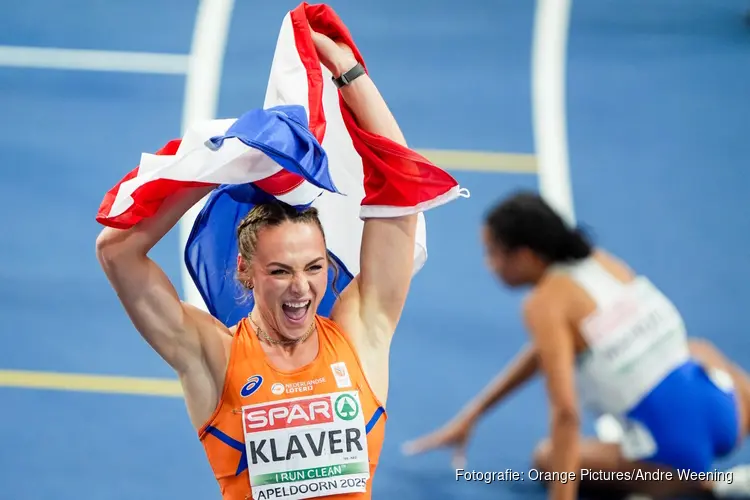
(306, 447)
(634, 325)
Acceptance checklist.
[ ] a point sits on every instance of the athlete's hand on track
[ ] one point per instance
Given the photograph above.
(455, 434)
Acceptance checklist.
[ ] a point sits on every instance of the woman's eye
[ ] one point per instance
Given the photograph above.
(316, 268)
(278, 272)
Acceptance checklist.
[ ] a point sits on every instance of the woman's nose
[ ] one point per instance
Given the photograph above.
(300, 285)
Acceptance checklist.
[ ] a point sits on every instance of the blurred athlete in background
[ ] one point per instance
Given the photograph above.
(606, 335)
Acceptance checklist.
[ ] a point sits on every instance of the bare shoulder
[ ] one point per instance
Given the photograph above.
(616, 266)
(551, 297)
(557, 310)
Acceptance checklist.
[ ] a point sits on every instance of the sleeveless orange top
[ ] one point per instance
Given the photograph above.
(316, 432)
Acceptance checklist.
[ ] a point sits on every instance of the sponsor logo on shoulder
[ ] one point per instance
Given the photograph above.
(341, 374)
(252, 385)
(277, 388)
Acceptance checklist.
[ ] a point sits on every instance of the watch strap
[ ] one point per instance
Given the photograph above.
(348, 77)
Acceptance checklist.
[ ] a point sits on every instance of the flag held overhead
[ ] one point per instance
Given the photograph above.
(304, 148)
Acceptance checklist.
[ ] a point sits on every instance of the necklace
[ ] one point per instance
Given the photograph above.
(285, 342)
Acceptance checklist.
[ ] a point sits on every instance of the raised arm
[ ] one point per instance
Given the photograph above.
(387, 251)
(171, 327)
(379, 292)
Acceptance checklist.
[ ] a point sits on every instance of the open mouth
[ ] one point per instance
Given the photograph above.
(296, 311)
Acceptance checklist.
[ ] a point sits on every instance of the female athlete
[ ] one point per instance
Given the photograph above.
(680, 402)
(287, 404)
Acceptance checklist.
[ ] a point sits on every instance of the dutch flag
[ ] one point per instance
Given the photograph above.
(303, 147)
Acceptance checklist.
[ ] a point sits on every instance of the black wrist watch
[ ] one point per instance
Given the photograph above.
(349, 76)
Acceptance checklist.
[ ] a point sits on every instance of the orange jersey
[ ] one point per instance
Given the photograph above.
(315, 432)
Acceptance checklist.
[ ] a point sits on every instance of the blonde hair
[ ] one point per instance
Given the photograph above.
(274, 214)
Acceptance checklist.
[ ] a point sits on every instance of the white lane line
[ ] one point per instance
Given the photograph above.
(202, 86)
(93, 60)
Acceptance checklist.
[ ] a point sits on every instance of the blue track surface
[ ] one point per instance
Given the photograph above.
(658, 114)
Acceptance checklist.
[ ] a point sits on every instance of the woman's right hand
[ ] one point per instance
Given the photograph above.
(336, 56)
(455, 434)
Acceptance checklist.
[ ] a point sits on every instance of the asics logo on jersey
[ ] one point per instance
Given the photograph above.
(252, 385)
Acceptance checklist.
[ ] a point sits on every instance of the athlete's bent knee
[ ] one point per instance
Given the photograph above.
(708, 355)
(699, 345)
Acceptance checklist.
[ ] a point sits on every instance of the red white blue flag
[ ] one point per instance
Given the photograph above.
(303, 147)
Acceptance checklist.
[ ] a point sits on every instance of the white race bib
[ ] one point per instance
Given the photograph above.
(634, 342)
(306, 447)
(636, 324)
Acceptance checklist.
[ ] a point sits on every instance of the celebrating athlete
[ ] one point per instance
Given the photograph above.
(241, 382)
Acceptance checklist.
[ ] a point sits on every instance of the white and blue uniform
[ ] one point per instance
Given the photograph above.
(638, 369)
